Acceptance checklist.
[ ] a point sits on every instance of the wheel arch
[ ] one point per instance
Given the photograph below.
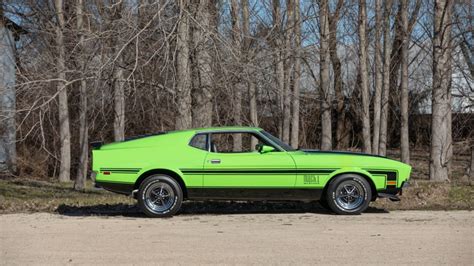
(363, 174)
(167, 172)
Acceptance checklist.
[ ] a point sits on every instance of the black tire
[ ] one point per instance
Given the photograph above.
(341, 201)
(160, 196)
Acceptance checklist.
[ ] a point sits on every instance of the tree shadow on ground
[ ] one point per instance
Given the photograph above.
(205, 207)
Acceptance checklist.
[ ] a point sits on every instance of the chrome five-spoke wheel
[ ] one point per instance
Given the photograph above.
(160, 196)
(348, 194)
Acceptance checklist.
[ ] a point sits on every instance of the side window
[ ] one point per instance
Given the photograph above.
(199, 141)
(224, 142)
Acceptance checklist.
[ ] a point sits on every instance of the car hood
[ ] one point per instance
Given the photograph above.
(338, 159)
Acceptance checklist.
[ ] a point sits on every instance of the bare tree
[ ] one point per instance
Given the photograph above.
(238, 89)
(248, 56)
(324, 61)
(147, 65)
(394, 70)
(337, 74)
(288, 48)
(295, 118)
(7, 97)
(183, 77)
(386, 79)
(404, 139)
(119, 85)
(471, 168)
(278, 58)
(81, 175)
(468, 55)
(364, 76)
(441, 139)
(202, 109)
(378, 71)
(65, 133)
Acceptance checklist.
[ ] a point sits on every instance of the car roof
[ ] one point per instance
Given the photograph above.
(219, 129)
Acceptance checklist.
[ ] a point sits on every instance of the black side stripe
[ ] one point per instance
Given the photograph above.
(121, 170)
(391, 176)
(256, 171)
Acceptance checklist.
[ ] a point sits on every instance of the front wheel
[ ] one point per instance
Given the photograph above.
(348, 194)
(160, 196)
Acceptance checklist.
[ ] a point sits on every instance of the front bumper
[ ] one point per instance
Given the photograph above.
(392, 193)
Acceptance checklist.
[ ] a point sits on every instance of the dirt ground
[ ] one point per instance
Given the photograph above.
(422, 237)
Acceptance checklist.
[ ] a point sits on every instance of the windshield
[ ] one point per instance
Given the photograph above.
(278, 141)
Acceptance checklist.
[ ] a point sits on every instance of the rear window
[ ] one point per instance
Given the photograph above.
(199, 141)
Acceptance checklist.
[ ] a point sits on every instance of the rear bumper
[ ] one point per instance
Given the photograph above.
(121, 188)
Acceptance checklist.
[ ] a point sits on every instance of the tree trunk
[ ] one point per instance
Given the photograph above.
(295, 118)
(385, 102)
(288, 48)
(364, 76)
(246, 51)
(471, 169)
(404, 138)
(119, 85)
(441, 94)
(468, 56)
(238, 85)
(278, 61)
(378, 76)
(7, 100)
(119, 101)
(396, 56)
(202, 102)
(337, 72)
(324, 60)
(81, 176)
(183, 77)
(64, 131)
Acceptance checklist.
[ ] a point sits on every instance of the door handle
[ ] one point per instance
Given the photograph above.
(215, 161)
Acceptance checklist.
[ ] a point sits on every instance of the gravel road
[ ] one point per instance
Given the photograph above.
(398, 237)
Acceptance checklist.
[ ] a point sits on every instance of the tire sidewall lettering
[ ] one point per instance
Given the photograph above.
(145, 189)
(360, 182)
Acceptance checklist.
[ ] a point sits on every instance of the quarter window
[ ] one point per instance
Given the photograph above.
(199, 141)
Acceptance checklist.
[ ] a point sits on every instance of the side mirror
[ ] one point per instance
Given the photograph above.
(265, 149)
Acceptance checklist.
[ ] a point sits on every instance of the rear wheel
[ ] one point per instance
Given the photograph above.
(160, 196)
(348, 194)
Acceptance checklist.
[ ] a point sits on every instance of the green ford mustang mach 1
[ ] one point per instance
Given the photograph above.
(241, 163)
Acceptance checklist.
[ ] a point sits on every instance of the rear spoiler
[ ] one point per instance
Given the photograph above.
(97, 144)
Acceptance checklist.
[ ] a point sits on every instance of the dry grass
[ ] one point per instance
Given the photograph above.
(425, 195)
(26, 195)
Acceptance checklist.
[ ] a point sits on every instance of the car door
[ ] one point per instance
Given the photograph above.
(245, 168)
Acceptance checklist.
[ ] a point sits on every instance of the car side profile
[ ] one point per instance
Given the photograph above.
(241, 163)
